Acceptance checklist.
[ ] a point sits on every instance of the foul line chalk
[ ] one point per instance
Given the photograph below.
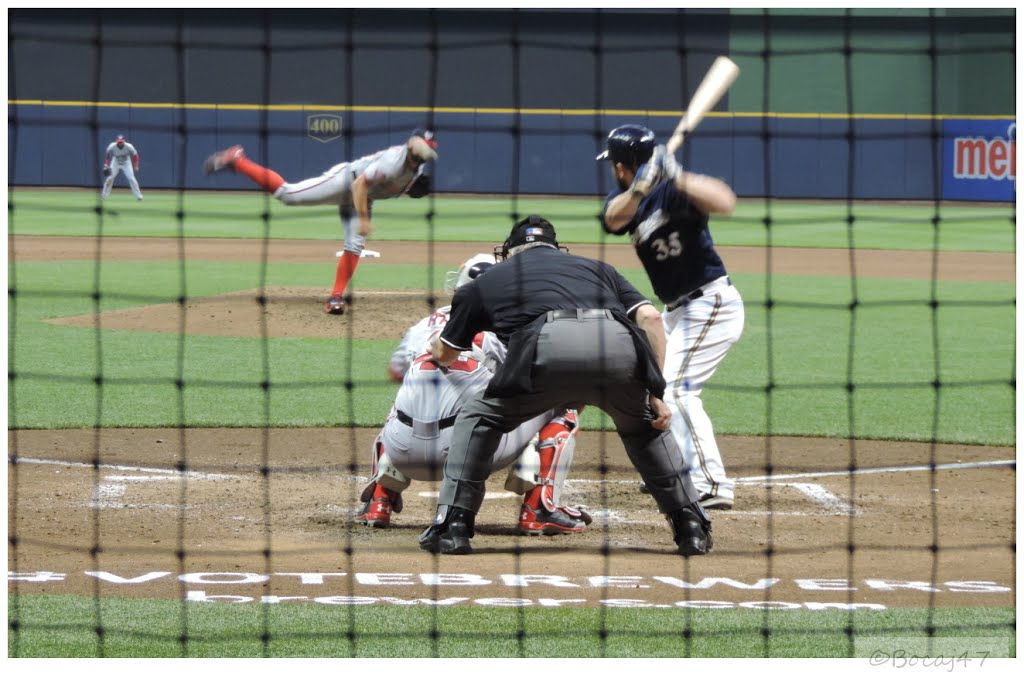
(879, 470)
(116, 467)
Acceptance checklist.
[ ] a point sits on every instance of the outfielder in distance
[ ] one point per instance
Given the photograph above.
(665, 210)
(418, 432)
(121, 157)
(352, 186)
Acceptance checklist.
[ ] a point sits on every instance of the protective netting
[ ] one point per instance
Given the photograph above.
(190, 433)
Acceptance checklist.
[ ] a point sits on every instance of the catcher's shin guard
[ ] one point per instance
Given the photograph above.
(555, 449)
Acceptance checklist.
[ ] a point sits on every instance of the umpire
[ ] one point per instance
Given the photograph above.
(577, 333)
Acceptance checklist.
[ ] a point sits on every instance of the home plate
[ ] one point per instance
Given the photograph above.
(367, 253)
(489, 496)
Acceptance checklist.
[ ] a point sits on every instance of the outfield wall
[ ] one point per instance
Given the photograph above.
(522, 99)
(814, 156)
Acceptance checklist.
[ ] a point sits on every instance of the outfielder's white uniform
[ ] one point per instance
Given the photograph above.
(386, 177)
(121, 159)
(416, 445)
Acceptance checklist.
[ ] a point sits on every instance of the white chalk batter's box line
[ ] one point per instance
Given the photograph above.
(110, 490)
(829, 503)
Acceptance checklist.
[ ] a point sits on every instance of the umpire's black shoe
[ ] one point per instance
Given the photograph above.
(450, 537)
(691, 530)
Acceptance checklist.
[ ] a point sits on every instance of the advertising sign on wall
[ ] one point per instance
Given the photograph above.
(979, 160)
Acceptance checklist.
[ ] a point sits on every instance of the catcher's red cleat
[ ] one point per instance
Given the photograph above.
(540, 520)
(222, 160)
(377, 511)
(335, 305)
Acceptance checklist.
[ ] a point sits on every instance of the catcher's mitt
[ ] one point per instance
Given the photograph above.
(420, 187)
(106, 172)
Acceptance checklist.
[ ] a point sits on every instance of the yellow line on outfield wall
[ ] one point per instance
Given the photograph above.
(497, 111)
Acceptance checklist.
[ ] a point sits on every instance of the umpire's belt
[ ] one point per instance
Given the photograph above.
(712, 287)
(580, 315)
(425, 429)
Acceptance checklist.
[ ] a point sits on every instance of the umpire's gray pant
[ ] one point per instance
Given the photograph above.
(583, 360)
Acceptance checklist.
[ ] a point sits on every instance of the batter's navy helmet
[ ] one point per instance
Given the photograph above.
(527, 231)
(631, 144)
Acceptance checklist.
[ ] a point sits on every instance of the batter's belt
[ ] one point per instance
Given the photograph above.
(710, 288)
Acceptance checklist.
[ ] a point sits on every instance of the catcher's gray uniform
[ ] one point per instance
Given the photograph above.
(418, 431)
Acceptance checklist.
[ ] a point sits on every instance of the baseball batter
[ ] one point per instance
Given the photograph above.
(665, 210)
(352, 186)
(417, 434)
(121, 157)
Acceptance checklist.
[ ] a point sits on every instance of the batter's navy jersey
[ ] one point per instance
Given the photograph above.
(511, 295)
(672, 240)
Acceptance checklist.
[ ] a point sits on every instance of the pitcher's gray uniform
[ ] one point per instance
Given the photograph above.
(121, 157)
(352, 186)
(387, 176)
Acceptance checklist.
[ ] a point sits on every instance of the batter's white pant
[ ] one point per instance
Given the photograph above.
(699, 334)
(422, 458)
(129, 173)
(334, 187)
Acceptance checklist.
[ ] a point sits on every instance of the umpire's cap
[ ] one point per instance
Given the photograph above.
(528, 230)
(631, 144)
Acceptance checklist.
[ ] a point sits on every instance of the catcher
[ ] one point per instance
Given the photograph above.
(352, 186)
(417, 434)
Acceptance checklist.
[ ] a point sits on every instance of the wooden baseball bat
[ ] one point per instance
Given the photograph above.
(716, 82)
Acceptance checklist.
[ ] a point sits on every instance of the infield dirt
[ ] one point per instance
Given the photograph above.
(277, 501)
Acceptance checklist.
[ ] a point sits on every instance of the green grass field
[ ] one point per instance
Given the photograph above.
(809, 346)
(866, 373)
(66, 626)
(977, 227)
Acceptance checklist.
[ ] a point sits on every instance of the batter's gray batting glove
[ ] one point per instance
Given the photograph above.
(670, 166)
(650, 173)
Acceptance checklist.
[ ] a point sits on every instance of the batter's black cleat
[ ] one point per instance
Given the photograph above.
(450, 537)
(715, 502)
(691, 530)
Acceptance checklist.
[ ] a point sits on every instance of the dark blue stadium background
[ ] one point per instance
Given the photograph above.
(521, 100)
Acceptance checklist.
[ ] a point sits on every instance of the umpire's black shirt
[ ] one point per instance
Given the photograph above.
(512, 299)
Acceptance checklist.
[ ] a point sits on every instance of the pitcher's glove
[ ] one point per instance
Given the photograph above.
(106, 172)
(420, 187)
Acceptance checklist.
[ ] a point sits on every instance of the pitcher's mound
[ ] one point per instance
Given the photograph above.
(281, 312)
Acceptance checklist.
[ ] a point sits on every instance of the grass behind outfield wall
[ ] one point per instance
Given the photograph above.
(65, 626)
(821, 224)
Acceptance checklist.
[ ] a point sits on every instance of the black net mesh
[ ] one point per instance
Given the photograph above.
(190, 434)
